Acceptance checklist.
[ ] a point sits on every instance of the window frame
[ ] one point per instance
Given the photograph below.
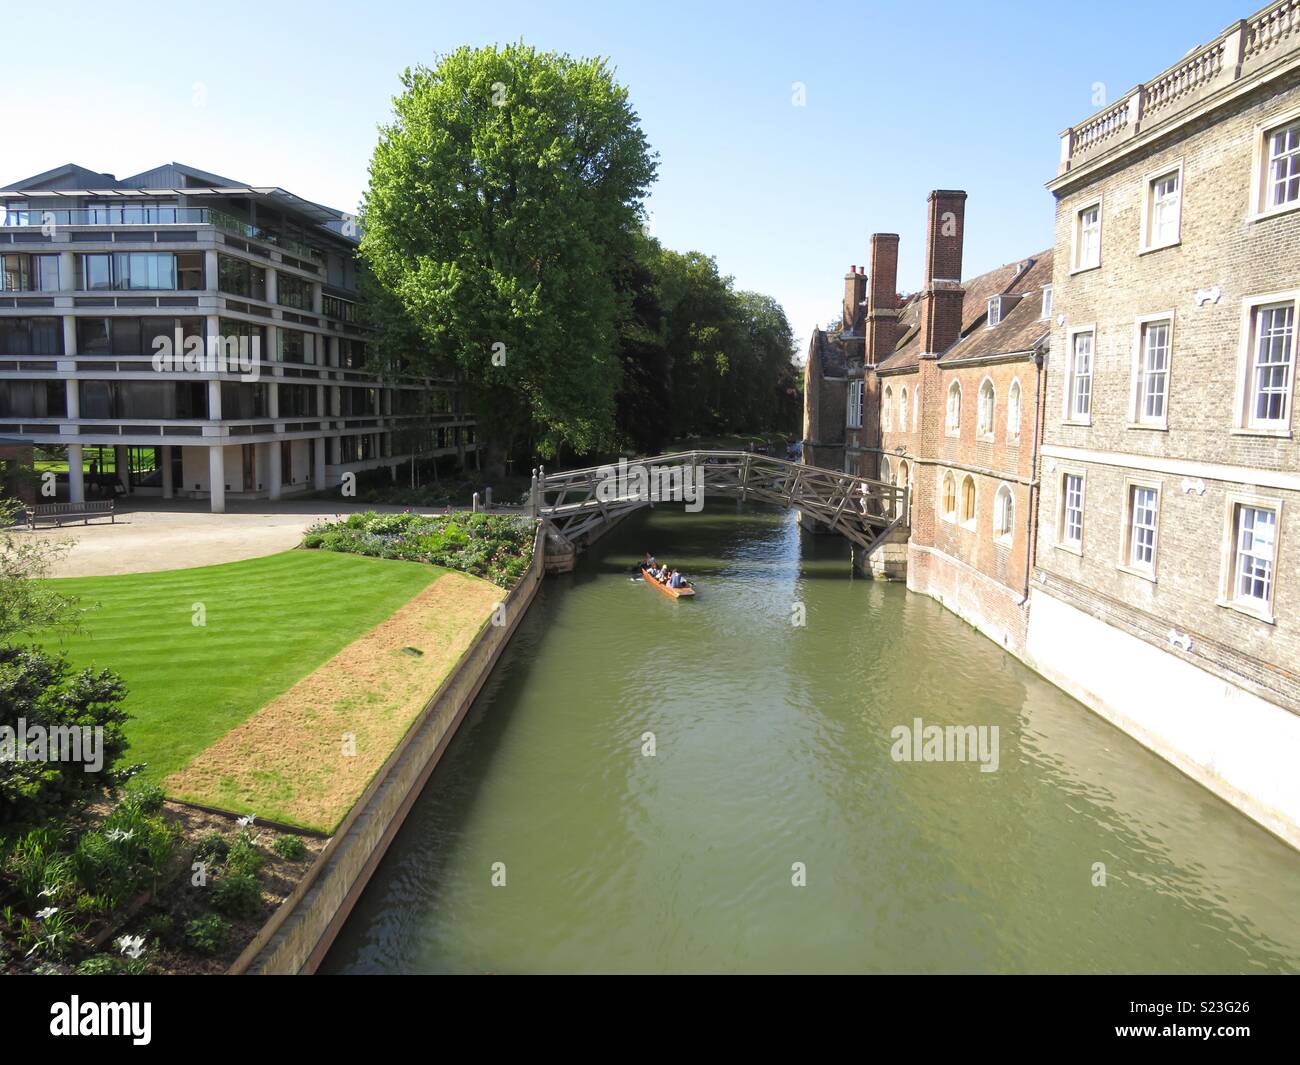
(1244, 422)
(1047, 306)
(1133, 485)
(951, 426)
(1008, 537)
(982, 433)
(1077, 265)
(902, 409)
(1260, 160)
(1068, 415)
(962, 519)
(948, 515)
(990, 321)
(1016, 403)
(1137, 419)
(1073, 546)
(887, 409)
(856, 404)
(1235, 502)
(1145, 242)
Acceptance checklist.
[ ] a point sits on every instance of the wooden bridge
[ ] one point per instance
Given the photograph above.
(578, 505)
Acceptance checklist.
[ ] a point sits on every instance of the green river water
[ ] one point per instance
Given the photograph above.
(773, 747)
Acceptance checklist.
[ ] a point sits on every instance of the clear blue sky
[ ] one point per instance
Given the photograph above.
(900, 99)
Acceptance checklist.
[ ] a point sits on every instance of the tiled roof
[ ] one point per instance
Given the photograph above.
(1021, 327)
(1008, 279)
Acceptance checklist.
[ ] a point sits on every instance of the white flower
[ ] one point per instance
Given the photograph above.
(117, 835)
(132, 945)
(244, 822)
(49, 911)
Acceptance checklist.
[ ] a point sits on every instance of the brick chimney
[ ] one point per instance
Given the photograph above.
(941, 298)
(882, 308)
(855, 291)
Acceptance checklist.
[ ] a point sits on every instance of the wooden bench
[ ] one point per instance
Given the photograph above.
(58, 513)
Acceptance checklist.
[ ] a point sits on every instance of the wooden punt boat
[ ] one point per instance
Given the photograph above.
(672, 593)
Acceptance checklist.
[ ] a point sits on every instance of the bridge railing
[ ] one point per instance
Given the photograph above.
(575, 501)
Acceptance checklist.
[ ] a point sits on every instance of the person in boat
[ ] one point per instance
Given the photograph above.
(662, 575)
(676, 580)
(649, 562)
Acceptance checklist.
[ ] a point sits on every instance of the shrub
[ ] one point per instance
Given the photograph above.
(498, 547)
(207, 935)
(290, 847)
(244, 857)
(213, 847)
(238, 895)
(143, 796)
(42, 691)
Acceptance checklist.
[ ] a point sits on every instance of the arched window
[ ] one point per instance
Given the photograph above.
(902, 475)
(949, 496)
(954, 407)
(902, 410)
(1004, 514)
(1013, 411)
(968, 499)
(885, 472)
(985, 421)
(887, 410)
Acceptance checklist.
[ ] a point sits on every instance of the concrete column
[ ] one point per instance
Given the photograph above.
(210, 269)
(122, 460)
(273, 401)
(272, 284)
(217, 478)
(336, 450)
(76, 475)
(317, 299)
(169, 489)
(72, 392)
(69, 335)
(273, 470)
(318, 460)
(214, 401)
(68, 279)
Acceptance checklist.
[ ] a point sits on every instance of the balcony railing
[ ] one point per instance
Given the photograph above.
(1244, 48)
(127, 215)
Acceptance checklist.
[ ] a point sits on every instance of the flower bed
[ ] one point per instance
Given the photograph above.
(497, 547)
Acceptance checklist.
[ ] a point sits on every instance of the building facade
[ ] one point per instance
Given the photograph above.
(942, 396)
(1169, 533)
(204, 330)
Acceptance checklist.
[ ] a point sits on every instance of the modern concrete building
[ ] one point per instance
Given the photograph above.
(207, 332)
(1168, 587)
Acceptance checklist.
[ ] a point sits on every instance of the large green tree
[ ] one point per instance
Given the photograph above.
(503, 196)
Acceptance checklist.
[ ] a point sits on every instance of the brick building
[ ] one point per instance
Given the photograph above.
(942, 398)
(1169, 534)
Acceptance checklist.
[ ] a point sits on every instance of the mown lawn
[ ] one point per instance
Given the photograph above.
(267, 622)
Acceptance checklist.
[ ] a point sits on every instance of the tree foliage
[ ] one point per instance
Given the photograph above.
(502, 196)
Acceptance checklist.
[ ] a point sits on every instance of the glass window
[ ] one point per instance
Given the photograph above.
(144, 270)
(93, 336)
(968, 499)
(949, 495)
(1013, 411)
(1255, 536)
(1153, 372)
(1072, 509)
(1088, 238)
(1164, 210)
(887, 409)
(1004, 513)
(987, 400)
(96, 272)
(954, 407)
(1081, 376)
(189, 271)
(1272, 346)
(1143, 503)
(293, 292)
(126, 336)
(1047, 301)
(1284, 166)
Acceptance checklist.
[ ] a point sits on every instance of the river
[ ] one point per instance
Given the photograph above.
(771, 829)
